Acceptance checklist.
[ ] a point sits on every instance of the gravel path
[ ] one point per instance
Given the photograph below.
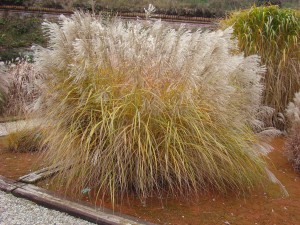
(17, 211)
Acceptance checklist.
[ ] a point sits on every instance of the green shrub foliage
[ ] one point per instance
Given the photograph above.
(272, 33)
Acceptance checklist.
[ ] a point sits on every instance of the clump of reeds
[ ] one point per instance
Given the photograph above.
(272, 33)
(139, 107)
(3, 85)
(23, 140)
(293, 139)
(23, 89)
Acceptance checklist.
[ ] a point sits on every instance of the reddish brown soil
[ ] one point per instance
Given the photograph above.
(15, 165)
(263, 207)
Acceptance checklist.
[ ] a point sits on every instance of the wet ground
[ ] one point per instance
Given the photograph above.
(15, 165)
(263, 206)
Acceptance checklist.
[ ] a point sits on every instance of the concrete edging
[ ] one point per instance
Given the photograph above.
(57, 202)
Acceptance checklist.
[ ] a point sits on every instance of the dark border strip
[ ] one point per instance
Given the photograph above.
(129, 15)
(8, 185)
(78, 209)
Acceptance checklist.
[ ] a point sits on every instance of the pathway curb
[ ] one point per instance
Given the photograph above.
(57, 202)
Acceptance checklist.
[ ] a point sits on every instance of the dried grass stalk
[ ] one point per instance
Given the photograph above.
(23, 89)
(293, 140)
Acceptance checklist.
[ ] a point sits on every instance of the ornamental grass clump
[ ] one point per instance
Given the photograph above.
(23, 89)
(272, 33)
(23, 140)
(3, 85)
(139, 107)
(293, 139)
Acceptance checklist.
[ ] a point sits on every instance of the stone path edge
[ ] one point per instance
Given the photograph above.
(57, 202)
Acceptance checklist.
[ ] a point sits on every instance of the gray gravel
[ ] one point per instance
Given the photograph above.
(18, 211)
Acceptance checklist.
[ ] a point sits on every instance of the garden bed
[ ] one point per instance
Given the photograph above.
(261, 207)
(14, 165)
(144, 138)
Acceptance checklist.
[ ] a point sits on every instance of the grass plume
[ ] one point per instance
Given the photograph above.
(293, 139)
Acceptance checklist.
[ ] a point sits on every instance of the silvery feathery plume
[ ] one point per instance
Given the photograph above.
(265, 123)
(22, 88)
(3, 82)
(292, 146)
(293, 110)
(151, 9)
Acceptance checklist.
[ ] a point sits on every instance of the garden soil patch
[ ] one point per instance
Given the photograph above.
(15, 165)
(262, 206)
